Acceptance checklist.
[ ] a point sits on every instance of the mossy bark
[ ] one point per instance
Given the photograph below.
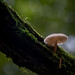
(20, 42)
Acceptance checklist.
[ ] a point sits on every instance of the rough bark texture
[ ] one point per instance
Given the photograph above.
(20, 42)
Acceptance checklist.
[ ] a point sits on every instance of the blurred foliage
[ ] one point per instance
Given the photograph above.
(46, 16)
(7, 67)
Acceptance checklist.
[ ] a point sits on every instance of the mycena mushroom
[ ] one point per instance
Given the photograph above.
(54, 40)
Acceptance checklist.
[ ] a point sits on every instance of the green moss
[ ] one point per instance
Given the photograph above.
(22, 30)
(31, 36)
(26, 33)
(63, 65)
(31, 29)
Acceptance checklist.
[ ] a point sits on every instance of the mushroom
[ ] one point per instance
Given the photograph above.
(60, 62)
(55, 39)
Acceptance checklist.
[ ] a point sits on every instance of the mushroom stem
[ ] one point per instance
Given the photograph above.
(60, 62)
(55, 47)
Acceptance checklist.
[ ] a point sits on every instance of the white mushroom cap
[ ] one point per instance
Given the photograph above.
(58, 38)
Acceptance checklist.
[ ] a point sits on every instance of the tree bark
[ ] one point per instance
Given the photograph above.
(20, 42)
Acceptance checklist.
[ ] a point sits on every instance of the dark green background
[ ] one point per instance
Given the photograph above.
(46, 16)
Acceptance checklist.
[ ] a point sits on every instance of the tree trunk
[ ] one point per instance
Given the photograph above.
(20, 42)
